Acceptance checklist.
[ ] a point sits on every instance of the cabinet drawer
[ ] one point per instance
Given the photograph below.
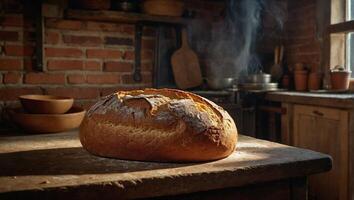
(328, 113)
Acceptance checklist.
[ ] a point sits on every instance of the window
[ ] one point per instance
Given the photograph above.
(350, 10)
(341, 32)
(350, 37)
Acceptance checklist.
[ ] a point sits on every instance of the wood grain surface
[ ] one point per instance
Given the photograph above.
(185, 65)
(55, 165)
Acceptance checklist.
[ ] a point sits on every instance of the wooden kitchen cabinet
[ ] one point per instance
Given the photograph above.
(324, 130)
(322, 122)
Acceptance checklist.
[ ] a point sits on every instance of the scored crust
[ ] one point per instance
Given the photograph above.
(158, 125)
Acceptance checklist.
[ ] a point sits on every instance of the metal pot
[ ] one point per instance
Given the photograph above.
(219, 83)
(259, 78)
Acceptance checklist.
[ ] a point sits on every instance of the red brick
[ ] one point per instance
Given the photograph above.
(102, 26)
(12, 20)
(44, 78)
(76, 93)
(118, 41)
(298, 40)
(12, 93)
(76, 79)
(64, 24)
(10, 64)
(18, 50)
(103, 79)
(147, 55)
(29, 64)
(305, 58)
(110, 90)
(92, 66)
(82, 40)
(128, 55)
(128, 29)
(304, 48)
(18, 20)
(12, 78)
(52, 37)
(307, 30)
(118, 67)
(63, 52)
(9, 35)
(103, 53)
(59, 65)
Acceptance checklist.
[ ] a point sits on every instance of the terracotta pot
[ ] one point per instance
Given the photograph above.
(315, 81)
(340, 80)
(92, 4)
(163, 7)
(299, 67)
(285, 82)
(301, 78)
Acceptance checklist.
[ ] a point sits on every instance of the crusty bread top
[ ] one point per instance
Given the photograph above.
(157, 107)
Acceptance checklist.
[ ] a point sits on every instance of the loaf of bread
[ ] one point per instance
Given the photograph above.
(158, 125)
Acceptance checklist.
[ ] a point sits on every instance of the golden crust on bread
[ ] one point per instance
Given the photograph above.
(158, 125)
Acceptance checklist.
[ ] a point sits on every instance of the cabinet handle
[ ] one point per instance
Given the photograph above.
(317, 113)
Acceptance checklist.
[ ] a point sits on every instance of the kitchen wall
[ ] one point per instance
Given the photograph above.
(82, 59)
(87, 59)
(302, 44)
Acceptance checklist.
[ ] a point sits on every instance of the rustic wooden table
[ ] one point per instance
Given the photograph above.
(55, 166)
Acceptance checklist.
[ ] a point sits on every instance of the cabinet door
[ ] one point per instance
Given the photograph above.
(324, 130)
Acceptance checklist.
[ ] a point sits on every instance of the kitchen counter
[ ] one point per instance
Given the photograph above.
(55, 166)
(337, 100)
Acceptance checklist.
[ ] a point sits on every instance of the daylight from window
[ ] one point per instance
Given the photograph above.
(350, 37)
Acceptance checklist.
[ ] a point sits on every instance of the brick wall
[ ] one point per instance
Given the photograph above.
(82, 59)
(301, 43)
(90, 59)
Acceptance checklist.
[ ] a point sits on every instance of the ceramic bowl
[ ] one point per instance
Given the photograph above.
(48, 123)
(46, 104)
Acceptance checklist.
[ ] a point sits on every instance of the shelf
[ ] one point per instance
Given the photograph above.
(126, 17)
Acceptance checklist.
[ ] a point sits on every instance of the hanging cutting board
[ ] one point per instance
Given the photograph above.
(185, 65)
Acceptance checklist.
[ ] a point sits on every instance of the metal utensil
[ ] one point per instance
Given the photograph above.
(219, 83)
(259, 78)
(259, 86)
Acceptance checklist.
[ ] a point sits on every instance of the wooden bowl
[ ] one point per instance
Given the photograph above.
(48, 123)
(163, 7)
(46, 104)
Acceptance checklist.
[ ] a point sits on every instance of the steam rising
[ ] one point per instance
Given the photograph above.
(231, 52)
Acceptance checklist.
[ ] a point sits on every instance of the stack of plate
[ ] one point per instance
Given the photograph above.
(259, 86)
(259, 82)
(47, 114)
